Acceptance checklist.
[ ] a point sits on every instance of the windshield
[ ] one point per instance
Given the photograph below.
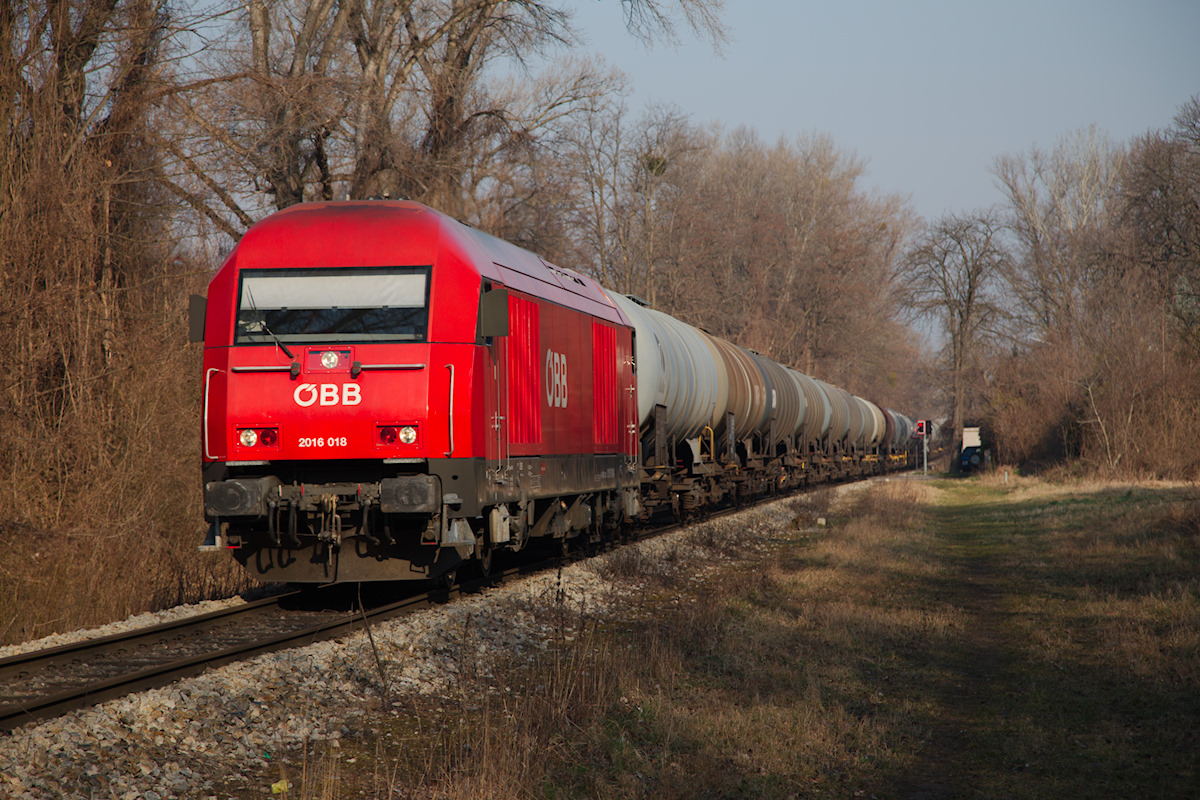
(353, 304)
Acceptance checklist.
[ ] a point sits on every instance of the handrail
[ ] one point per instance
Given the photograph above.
(207, 378)
(390, 366)
(451, 414)
(712, 443)
(358, 367)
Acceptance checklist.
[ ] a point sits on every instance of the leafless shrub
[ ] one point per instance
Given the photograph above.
(813, 505)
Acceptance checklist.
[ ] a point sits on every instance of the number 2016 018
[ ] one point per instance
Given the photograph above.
(330, 441)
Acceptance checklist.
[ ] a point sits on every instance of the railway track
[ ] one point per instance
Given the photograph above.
(43, 684)
(47, 683)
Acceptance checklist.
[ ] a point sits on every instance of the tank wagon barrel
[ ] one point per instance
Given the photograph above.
(747, 395)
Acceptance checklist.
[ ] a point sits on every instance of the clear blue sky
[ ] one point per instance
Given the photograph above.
(928, 93)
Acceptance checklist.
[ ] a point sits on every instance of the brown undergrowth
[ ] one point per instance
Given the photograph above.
(100, 507)
(935, 639)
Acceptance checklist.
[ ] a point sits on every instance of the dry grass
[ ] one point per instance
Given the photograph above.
(1091, 593)
(742, 685)
(57, 582)
(944, 639)
(1126, 599)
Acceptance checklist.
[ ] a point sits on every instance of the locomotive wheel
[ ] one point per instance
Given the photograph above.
(483, 558)
(445, 581)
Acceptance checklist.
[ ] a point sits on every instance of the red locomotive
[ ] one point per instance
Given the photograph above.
(388, 392)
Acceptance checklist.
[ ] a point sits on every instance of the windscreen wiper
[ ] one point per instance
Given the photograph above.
(282, 347)
(263, 324)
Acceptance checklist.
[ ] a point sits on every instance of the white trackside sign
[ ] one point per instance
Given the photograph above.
(327, 394)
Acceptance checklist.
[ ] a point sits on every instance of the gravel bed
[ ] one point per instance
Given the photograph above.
(230, 723)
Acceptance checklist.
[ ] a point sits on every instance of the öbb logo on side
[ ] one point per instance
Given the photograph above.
(328, 394)
(556, 379)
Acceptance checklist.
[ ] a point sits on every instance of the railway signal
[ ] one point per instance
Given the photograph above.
(921, 431)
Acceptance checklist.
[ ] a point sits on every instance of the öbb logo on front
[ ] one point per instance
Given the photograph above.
(556, 379)
(327, 394)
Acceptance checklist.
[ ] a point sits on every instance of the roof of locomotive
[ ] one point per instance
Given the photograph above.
(391, 232)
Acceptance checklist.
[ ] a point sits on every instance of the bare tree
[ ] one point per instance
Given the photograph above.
(1160, 195)
(255, 126)
(651, 19)
(592, 152)
(316, 99)
(505, 166)
(75, 78)
(771, 246)
(95, 425)
(1059, 202)
(441, 61)
(952, 273)
(663, 146)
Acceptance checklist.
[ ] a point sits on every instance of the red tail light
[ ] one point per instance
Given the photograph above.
(388, 435)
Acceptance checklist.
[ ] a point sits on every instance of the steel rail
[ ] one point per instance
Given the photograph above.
(69, 695)
(137, 646)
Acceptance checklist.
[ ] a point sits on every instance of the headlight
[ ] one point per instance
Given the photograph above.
(329, 359)
(249, 438)
(408, 434)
